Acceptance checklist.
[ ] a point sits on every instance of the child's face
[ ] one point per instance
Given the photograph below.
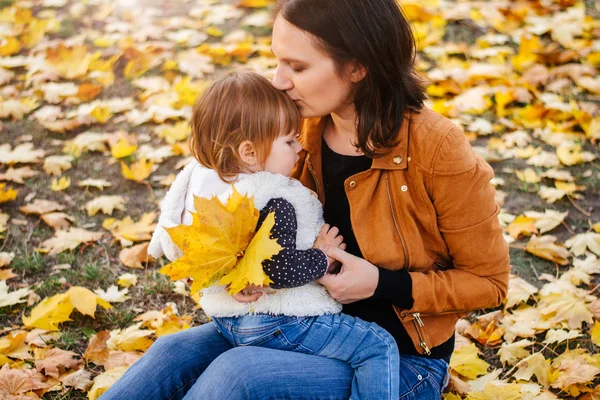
(283, 155)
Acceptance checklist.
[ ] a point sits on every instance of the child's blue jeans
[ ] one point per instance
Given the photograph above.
(367, 347)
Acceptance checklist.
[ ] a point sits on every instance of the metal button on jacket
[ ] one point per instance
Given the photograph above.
(397, 160)
(352, 184)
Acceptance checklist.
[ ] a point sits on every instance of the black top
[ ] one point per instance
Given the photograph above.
(394, 287)
(290, 267)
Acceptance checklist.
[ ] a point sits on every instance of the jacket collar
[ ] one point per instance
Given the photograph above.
(397, 158)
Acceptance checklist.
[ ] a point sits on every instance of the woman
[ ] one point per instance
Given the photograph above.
(412, 201)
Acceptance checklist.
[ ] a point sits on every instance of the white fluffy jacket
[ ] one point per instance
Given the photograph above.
(194, 179)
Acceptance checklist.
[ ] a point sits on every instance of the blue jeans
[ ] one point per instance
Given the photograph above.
(369, 349)
(199, 364)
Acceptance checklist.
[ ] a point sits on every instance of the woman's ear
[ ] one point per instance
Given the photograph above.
(247, 153)
(357, 72)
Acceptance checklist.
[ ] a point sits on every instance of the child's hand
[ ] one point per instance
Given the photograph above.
(329, 236)
(249, 294)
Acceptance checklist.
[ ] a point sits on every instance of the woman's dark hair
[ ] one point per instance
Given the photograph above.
(375, 34)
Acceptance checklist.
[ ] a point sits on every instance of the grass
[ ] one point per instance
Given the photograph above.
(29, 264)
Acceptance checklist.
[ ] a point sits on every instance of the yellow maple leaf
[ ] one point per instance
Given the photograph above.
(249, 270)
(536, 365)
(105, 380)
(522, 225)
(465, 360)
(7, 194)
(70, 62)
(220, 239)
(60, 184)
(57, 309)
(595, 333)
(122, 149)
(128, 232)
(9, 46)
(138, 171)
(491, 391)
(546, 248)
(255, 3)
(101, 114)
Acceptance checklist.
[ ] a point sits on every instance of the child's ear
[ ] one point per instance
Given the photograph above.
(247, 153)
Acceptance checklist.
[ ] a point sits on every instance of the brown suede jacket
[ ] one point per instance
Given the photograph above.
(428, 206)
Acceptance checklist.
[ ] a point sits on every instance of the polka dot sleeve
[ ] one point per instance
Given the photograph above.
(290, 268)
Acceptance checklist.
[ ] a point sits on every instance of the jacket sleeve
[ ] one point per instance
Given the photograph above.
(467, 218)
(291, 267)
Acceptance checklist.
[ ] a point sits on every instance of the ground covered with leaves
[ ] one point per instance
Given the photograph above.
(95, 101)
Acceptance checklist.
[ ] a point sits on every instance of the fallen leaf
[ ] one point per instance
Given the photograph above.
(134, 256)
(104, 381)
(18, 382)
(97, 350)
(106, 204)
(126, 231)
(58, 220)
(138, 171)
(18, 175)
(546, 248)
(40, 207)
(127, 280)
(579, 243)
(113, 294)
(56, 165)
(11, 298)
(56, 361)
(466, 362)
(69, 239)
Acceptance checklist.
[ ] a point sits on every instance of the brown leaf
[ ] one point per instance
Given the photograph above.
(97, 350)
(88, 91)
(79, 379)
(56, 361)
(17, 381)
(118, 358)
(18, 174)
(134, 256)
(58, 220)
(40, 207)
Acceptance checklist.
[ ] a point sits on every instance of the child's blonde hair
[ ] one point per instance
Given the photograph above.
(239, 106)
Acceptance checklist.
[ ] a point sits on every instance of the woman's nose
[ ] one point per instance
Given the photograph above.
(280, 82)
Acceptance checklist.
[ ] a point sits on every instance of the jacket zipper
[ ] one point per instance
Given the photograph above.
(418, 323)
(387, 185)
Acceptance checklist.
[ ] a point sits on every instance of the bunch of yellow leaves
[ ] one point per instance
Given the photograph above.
(222, 244)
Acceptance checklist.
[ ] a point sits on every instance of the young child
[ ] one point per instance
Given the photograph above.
(244, 134)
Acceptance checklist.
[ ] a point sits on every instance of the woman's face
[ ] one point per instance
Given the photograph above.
(307, 74)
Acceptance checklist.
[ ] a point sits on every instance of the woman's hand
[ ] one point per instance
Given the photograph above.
(249, 294)
(357, 280)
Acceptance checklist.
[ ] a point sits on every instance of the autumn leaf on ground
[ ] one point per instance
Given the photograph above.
(561, 189)
(222, 240)
(56, 165)
(53, 362)
(127, 280)
(536, 365)
(126, 231)
(18, 382)
(106, 204)
(521, 225)
(510, 353)
(18, 175)
(57, 309)
(495, 392)
(60, 184)
(113, 294)
(14, 345)
(566, 307)
(104, 381)
(69, 240)
(570, 153)
(130, 339)
(57, 220)
(7, 193)
(80, 379)
(546, 248)
(6, 258)
(97, 183)
(122, 149)
(519, 291)
(579, 243)
(138, 171)
(595, 333)
(22, 153)
(547, 220)
(10, 298)
(574, 367)
(466, 362)
(134, 256)
(97, 350)
(560, 335)
(41, 207)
